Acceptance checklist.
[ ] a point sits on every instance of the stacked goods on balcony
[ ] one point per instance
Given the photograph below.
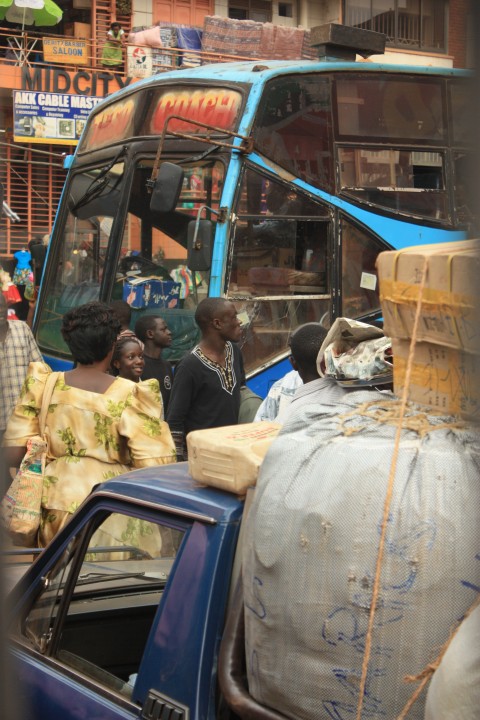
(219, 36)
(250, 39)
(231, 37)
(189, 40)
(161, 39)
(446, 360)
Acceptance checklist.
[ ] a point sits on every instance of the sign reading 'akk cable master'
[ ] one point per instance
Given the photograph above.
(50, 117)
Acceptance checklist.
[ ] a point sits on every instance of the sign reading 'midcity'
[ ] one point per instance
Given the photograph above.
(82, 82)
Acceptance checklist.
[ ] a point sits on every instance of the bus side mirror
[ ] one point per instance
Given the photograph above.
(199, 245)
(166, 188)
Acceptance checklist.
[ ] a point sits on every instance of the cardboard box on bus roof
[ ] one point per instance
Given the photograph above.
(229, 457)
(443, 378)
(451, 296)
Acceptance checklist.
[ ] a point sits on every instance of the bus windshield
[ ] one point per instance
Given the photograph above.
(146, 262)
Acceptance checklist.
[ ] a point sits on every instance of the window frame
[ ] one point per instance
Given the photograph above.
(252, 9)
(344, 220)
(74, 552)
(394, 42)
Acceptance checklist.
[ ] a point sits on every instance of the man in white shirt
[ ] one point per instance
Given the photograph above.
(305, 344)
(279, 396)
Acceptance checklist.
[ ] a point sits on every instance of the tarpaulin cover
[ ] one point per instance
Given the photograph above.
(281, 43)
(311, 543)
(232, 37)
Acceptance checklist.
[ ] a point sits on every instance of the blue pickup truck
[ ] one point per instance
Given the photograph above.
(123, 614)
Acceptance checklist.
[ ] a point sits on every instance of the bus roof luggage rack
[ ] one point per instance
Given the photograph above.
(341, 42)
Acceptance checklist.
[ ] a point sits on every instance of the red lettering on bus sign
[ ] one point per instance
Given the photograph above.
(113, 123)
(217, 107)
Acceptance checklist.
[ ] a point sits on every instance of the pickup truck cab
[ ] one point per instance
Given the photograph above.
(122, 615)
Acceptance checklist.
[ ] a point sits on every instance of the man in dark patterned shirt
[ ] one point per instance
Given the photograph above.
(207, 381)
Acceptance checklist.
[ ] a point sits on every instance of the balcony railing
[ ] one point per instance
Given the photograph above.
(27, 49)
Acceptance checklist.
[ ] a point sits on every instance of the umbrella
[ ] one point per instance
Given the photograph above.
(30, 12)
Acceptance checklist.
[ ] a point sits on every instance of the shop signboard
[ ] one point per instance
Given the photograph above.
(41, 117)
(139, 61)
(67, 51)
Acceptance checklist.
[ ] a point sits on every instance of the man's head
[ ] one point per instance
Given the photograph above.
(218, 316)
(153, 329)
(305, 343)
(115, 27)
(123, 312)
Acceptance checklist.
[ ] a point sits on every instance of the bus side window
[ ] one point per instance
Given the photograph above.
(281, 240)
(360, 292)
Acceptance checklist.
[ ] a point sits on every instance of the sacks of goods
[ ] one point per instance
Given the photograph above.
(311, 546)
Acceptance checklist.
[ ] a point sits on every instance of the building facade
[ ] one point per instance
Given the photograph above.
(426, 32)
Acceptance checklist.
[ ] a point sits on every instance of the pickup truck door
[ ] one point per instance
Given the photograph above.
(103, 632)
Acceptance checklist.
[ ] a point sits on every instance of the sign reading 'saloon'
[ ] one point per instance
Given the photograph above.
(66, 51)
(41, 117)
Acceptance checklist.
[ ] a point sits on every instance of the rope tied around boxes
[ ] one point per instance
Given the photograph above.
(389, 493)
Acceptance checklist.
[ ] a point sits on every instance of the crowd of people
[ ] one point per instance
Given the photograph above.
(122, 406)
(119, 407)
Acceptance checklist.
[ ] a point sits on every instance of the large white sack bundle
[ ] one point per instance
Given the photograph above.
(454, 692)
(311, 543)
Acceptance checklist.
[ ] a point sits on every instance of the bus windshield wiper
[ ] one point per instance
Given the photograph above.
(99, 183)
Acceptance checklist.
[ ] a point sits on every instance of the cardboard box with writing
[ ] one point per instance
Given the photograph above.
(442, 378)
(451, 295)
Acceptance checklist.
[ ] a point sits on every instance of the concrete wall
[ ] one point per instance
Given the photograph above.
(142, 15)
(322, 12)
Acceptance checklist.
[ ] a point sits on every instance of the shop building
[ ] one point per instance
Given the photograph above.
(68, 63)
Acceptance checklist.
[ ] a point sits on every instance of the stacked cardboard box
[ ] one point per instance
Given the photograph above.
(446, 361)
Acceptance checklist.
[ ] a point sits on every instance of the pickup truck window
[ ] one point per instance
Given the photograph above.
(95, 612)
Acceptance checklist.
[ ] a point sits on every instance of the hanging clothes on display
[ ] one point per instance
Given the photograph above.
(23, 269)
(23, 279)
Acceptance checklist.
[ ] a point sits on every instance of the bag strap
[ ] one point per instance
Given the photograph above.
(47, 396)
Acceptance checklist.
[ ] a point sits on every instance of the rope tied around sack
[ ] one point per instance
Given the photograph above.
(388, 496)
(389, 412)
(425, 675)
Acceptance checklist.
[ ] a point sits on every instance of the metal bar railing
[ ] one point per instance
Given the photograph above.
(26, 49)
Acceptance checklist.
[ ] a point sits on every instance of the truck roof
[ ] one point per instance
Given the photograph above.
(171, 485)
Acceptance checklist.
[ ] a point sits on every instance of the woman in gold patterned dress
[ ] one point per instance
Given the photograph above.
(97, 426)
